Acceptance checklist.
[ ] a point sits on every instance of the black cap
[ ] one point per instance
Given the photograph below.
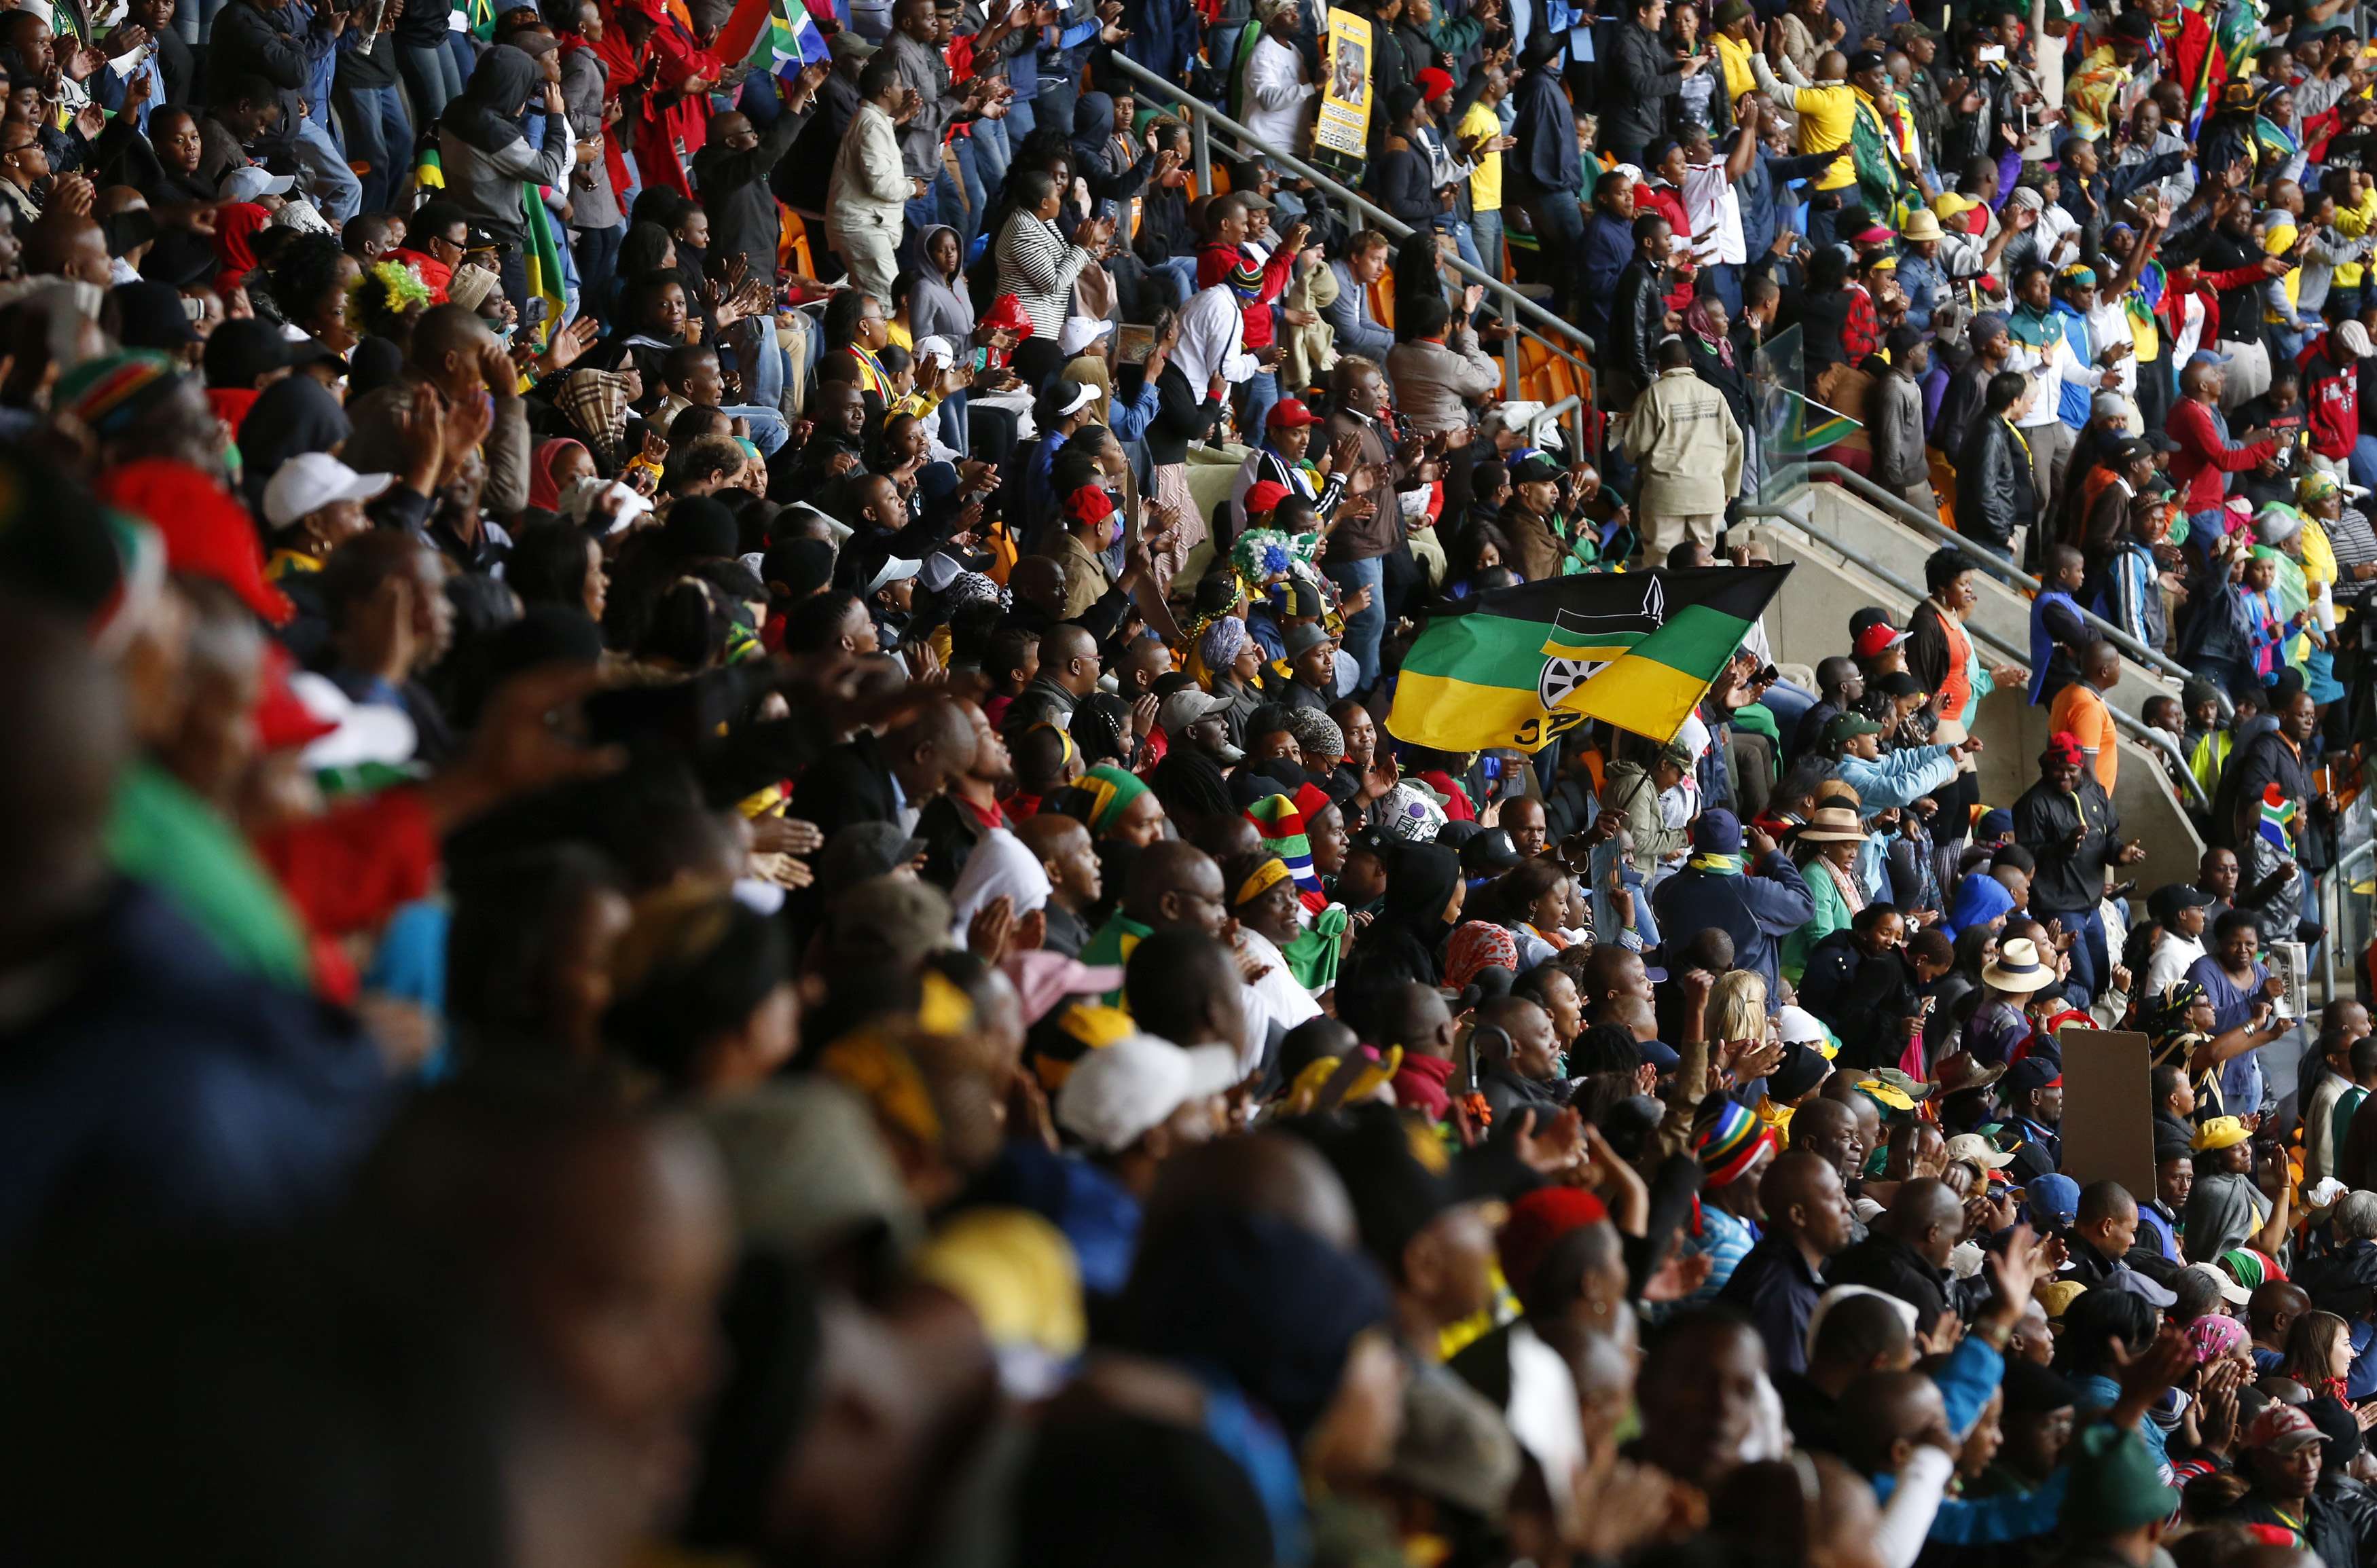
(2033, 1073)
(700, 528)
(2165, 903)
(152, 316)
(1866, 60)
(1489, 854)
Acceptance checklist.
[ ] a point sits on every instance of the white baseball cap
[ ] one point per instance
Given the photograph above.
(1798, 1026)
(1117, 1094)
(893, 570)
(311, 481)
(250, 181)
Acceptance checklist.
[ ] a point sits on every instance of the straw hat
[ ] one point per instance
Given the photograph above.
(1922, 224)
(2019, 968)
(1832, 824)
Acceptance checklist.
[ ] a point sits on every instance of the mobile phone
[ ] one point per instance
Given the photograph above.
(1990, 54)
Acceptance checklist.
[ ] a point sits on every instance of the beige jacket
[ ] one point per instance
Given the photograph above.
(869, 187)
(1434, 382)
(1686, 445)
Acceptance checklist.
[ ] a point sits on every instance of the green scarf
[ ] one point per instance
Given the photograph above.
(163, 834)
(1718, 864)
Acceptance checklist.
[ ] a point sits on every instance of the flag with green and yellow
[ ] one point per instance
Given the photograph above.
(1514, 667)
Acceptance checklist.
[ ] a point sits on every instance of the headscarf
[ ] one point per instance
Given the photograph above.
(1701, 322)
(2214, 1337)
(2065, 748)
(1404, 937)
(1220, 646)
(2251, 1268)
(2166, 1014)
(999, 866)
(486, 113)
(596, 401)
(1210, 324)
(1099, 798)
(235, 230)
(295, 415)
(114, 392)
(544, 490)
(1476, 945)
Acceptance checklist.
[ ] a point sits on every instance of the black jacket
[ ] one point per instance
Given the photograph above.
(848, 785)
(2067, 880)
(1994, 486)
(1886, 1263)
(1639, 78)
(735, 190)
(1638, 320)
(1867, 1000)
(250, 41)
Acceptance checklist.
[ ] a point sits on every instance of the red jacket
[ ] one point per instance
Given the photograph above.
(2200, 466)
(1214, 265)
(2332, 396)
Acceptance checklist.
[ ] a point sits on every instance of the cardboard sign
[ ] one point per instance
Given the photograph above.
(1344, 125)
(2108, 1112)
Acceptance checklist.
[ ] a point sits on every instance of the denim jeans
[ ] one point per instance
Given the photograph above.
(993, 152)
(193, 20)
(379, 136)
(597, 253)
(430, 76)
(1022, 120)
(2091, 965)
(1261, 396)
(769, 431)
(335, 189)
(1463, 241)
(1182, 272)
(1486, 233)
(1363, 632)
(2362, 463)
(968, 157)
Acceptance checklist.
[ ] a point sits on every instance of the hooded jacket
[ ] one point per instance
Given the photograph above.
(486, 159)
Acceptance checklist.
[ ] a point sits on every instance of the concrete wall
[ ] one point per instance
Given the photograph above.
(1808, 621)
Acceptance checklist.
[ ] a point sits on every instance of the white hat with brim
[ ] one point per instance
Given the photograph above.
(892, 571)
(310, 481)
(2231, 1292)
(1975, 1149)
(2019, 968)
(1117, 1094)
(369, 734)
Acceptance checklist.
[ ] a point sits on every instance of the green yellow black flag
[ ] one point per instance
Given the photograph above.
(1514, 667)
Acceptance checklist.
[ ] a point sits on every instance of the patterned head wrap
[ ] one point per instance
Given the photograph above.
(2065, 747)
(596, 401)
(1317, 734)
(973, 588)
(1478, 944)
(2168, 1013)
(2214, 1337)
(1729, 1144)
(1099, 798)
(1222, 643)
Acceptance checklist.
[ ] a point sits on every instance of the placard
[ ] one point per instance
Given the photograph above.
(1344, 125)
(2108, 1111)
(2291, 965)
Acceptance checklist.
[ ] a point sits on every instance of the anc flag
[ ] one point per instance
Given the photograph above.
(1516, 667)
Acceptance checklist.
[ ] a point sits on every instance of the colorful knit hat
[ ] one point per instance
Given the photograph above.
(1730, 1143)
(1099, 798)
(110, 393)
(1285, 826)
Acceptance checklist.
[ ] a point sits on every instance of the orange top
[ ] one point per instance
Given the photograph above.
(2080, 708)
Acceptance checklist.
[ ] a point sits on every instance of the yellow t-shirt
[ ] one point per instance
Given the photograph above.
(2352, 222)
(1826, 114)
(1486, 180)
(1734, 55)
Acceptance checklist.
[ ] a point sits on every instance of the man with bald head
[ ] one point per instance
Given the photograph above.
(1780, 1281)
(1521, 1057)
(2270, 1312)
(455, 354)
(1174, 887)
(1826, 1127)
(731, 175)
(888, 780)
(1068, 672)
(63, 245)
(1907, 1255)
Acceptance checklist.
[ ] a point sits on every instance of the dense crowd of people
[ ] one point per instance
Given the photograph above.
(721, 850)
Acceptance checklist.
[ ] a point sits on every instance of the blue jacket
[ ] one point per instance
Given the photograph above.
(1762, 197)
(1898, 778)
(1608, 246)
(1756, 912)
(1545, 158)
(1164, 36)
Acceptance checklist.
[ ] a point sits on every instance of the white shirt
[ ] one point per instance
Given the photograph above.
(2173, 956)
(1276, 96)
(1714, 209)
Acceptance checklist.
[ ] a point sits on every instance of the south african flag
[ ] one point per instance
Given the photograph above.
(2277, 825)
(1516, 666)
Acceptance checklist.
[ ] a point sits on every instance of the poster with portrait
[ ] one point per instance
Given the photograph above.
(1344, 125)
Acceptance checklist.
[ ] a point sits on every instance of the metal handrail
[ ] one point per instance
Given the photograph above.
(1999, 565)
(1516, 305)
(2144, 733)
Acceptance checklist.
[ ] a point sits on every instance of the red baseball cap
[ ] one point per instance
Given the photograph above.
(1263, 494)
(1878, 638)
(207, 533)
(1288, 414)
